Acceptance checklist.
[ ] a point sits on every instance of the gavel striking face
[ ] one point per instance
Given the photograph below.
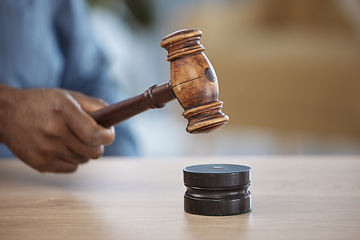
(193, 83)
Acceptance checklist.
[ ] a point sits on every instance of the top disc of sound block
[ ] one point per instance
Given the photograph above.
(217, 189)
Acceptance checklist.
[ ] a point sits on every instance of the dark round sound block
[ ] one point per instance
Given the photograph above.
(217, 189)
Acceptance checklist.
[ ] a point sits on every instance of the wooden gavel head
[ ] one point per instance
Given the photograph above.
(193, 81)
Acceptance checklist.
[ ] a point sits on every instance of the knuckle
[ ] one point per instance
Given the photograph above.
(61, 100)
(58, 96)
(51, 128)
(40, 160)
(47, 164)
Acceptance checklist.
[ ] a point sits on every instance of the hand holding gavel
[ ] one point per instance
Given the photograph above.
(57, 133)
(193, 83)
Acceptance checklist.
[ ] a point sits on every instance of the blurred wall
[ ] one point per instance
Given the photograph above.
(289, 75)
(289, 68)
(286, 65)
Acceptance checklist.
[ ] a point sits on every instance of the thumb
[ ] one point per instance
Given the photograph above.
(88, 104)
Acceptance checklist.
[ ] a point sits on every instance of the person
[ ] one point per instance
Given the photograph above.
(52, 75)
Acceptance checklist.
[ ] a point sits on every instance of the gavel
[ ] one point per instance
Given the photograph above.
(193, 83)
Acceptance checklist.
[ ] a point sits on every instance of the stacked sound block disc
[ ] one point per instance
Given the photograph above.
(217, 189)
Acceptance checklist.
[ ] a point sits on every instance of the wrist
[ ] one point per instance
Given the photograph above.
(7, 105)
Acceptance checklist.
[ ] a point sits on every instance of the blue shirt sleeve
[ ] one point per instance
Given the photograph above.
(50, 44)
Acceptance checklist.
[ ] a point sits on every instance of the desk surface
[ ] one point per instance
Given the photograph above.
(122, 198)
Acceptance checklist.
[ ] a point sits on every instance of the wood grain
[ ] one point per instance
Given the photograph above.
(123, 198)
(193, 83)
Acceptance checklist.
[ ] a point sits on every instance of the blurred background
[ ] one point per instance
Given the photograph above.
(289, 72)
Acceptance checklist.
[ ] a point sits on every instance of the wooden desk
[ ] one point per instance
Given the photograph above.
(293, 198)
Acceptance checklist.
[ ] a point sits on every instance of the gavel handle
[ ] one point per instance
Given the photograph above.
(154, 97)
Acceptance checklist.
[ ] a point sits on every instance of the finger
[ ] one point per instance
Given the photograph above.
(61, 166)
(58, 146)
(66, 154)
(73, 158)
(85, 127)
(78, 147)
(42, 163)
(64, 140)
(56, 165)
(87, 151)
